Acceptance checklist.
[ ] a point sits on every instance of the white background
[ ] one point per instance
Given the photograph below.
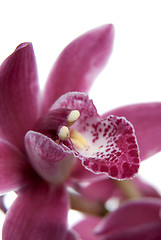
(133, 73)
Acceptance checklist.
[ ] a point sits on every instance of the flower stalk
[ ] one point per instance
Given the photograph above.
(79, 203)
(129, 189)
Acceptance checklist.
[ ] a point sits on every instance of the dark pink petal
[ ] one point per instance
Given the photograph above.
(146, 119)
(79, 64)
(109, 188)
(111, 145)
(132, 216)
(113, 148)
(2, 205)
(149, 232)
(48, 158)
(145, 189)
(81, 174)
(72, 235)
(39, 212)
(14, 168)
(18, 94)
(51, 122)
(77, 101)
(85, 228)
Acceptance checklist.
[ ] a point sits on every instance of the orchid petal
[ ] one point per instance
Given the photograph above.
(113, 148)
(2, 205)
(51, 122)
(81, 174)
(79, 64)
(39, 212)
(105, 189)
(110, 146)
(14, 169)
(146, 119)
(149, 232)
(85, 228)
(145, 189)
(49, 159)
(72, 235)
(18, 94)
(109, 188)
(132, 217)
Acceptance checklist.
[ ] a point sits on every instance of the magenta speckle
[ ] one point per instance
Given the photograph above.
(101, 146)
(113, 158)
(104, 168)
(131, 140)
(113, 151)
(86, 162)
(128, 131)
(107, 149)
(135, 160)
(118, 154)
(119, 121)
(129, 170)
(132, 146)
(107, 158)
(94, 167)
(114, 171)
(133, 153)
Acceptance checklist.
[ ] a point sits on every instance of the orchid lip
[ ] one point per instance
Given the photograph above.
(105, 145)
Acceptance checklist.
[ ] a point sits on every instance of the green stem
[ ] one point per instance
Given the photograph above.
(85, 206)
(129, 189)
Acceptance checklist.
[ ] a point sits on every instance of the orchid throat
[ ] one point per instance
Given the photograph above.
(65, 132)
(58, 124)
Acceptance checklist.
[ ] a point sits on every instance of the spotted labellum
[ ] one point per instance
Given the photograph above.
(105, 145)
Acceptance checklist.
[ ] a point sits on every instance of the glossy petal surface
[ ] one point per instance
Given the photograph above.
(51, 122)
(109, 188)
(2, 206)
(151, 232)
(145, 189)
(39, 212)
(81, 174)
(105, 189)
(79, 64)
(146, 119)
(132, 217)
(18, 94)
(85, 228)
(72, 235)
(14, 169)
(111, 145)
(49, 159)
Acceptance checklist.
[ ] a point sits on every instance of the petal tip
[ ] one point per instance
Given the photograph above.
(23, 45)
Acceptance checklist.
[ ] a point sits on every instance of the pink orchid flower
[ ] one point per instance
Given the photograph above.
(44, 137)
(123, 192)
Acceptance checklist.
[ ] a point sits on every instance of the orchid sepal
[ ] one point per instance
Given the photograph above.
(79, 64)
